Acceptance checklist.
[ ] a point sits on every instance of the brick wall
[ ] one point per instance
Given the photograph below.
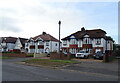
(60, 56)
(14, 54)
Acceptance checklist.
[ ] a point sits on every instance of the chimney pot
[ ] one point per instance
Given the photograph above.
(82, 29)
(44, 33)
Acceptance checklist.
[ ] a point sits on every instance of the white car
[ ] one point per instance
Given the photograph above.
(82, 54)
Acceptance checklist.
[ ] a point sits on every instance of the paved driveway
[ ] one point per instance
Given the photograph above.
(95, 67)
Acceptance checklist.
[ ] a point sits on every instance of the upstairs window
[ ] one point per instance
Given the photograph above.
(64, 42)
(98, 41)
(108, 41)
(73, 41)
(47, 43)
(86, 41)
(40, 42)
(26, 44)
(56, 44)
(32, 42)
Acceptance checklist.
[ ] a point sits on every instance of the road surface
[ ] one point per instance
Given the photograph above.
(18, 72)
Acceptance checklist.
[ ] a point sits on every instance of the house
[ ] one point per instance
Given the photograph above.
(44, 43)
(12, 44)
(88, 40)
(7, 43)
(20, 44)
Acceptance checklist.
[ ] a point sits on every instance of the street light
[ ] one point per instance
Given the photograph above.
(59, 34)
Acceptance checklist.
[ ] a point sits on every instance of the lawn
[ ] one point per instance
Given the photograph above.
(48, 62)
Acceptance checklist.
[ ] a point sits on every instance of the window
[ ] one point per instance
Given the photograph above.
(73, 50)
(65, 42)
(31, 42)
(56, 44)
(47, 43)
(86, 41)
(73, 41)
(26, 44)
(98, 41)
(40, 42)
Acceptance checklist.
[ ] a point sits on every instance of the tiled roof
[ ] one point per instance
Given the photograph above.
(46, 37)
(95, 33)
(109, 38)
(9, 39)
(23, 41)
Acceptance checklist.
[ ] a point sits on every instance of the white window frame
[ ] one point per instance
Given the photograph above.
(98, 41)
(65, 42)
(40, 42)
(73, 41)
(47, 43)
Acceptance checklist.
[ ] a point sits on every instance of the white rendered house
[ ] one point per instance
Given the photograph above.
(89, 40)
(44, 43)
(20, 44)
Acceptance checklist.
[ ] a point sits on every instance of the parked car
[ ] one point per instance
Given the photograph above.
(48, 54)
(98, 55)
(82, 54)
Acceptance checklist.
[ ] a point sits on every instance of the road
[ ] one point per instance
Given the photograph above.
(18, 72)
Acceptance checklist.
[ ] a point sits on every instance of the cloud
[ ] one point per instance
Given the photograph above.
(8, 24)
(31, 17)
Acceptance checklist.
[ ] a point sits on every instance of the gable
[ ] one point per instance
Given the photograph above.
(39, 38)
(86, 35)
(72, 37)
(18, 43)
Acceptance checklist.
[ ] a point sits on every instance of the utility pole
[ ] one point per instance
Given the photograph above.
(59, 34)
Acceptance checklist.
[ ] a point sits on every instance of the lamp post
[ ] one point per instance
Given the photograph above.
(59, 34)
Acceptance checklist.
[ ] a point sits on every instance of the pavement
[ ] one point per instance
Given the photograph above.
(86, 70)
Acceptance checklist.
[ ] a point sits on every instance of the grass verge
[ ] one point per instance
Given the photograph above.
(5, 57)
(48, 62)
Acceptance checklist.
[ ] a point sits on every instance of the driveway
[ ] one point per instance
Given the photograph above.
(86, 71)
(95, 67)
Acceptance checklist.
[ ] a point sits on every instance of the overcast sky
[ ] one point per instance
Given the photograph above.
(29, 18)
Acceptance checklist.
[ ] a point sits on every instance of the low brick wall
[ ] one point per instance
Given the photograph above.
(60, 56)
(39, 55)
(14, 54)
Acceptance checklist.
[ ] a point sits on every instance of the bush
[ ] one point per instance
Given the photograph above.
(29, 55)
(111, 58)
(116, 53)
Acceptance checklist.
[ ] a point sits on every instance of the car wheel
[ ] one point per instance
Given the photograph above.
(85, 57)
(94, 57)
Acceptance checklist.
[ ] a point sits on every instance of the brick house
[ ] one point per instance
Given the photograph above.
(89, 40)
(44, 43)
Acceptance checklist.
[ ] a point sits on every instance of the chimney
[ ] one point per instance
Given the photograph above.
(44, 33)
(82, 29)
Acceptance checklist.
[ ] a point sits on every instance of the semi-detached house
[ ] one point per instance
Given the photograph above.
(12, 44)
(44, 43)
(88, 40)
(7, 43)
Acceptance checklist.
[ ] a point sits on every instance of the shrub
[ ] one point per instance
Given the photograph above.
(29, 55)
(111, 58)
